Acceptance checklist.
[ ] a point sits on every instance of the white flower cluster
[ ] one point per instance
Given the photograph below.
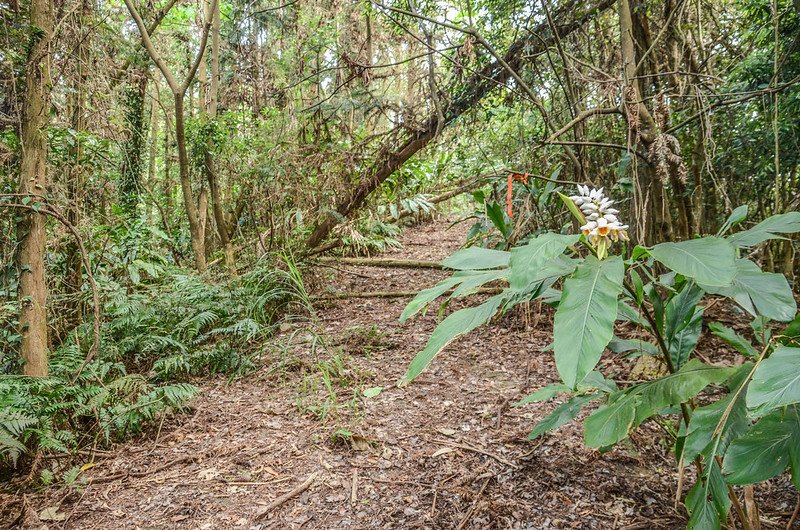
(601, 218)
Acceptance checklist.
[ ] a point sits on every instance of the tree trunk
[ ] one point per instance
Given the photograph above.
(224, 227)
(76, 172)
(647, 190)
(151, 165)
(132, 160)
(195, 227)
(31, 229)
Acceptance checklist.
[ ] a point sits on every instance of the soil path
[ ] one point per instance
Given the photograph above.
(446, 452)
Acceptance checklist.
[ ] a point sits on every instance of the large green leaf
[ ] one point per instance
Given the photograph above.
(791, 335)
(769, 228)
(477, 258)
(471, 284)
(464, 283)
(527, 261)
(426, 296)
(701, 435)
(497, 216)
(681, 310)
(707, 502)
(564, 413)
(628, 408)
(759, 292)
(637, 346)
(776, 382)
(584, 321)
(459, 323)
(709, 260)
(732, 339)
(766, 450)
(543, 394)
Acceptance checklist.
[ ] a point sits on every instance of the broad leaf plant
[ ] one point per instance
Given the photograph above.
(750, 434)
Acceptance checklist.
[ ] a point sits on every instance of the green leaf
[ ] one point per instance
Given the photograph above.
(709, 260)
(684, 342)
(770, 228)
(732, 339)
(680, 310)
(776, 381)
(791, 335)
(473, 282)
(766, 450)
(563, 414)
(527, 261)
(543, 394)
(639, 346)
(628, 408)
(477, 258)
(584, 320)
(737, 216)
(638, 286)
(759, 292)
(630, 314)
(372, 392)
(497, 216)
(707, 502)
(700, 435)
(576, 212)
(430, 294)
(459, 323)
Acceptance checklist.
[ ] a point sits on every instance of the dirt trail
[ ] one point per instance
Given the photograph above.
(446, 452)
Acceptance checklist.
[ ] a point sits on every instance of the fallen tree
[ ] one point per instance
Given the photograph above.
(567, 18)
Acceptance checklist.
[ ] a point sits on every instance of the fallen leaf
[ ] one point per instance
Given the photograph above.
(372, 392)
(446, 431)
(51, 513)
(442, 451)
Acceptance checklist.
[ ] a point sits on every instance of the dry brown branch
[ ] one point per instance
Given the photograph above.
(286, 496)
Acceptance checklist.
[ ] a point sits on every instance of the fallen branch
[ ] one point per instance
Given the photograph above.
(393, 294)
(471, 510)
(286, 496)
(383, 262)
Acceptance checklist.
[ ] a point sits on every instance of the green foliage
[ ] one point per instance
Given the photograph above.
(58, 414)
(584, 321)
(162, 325)
(752, 428)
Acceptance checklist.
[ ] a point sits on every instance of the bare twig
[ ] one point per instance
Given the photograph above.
(286, 496)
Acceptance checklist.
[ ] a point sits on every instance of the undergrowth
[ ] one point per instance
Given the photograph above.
(157, 333)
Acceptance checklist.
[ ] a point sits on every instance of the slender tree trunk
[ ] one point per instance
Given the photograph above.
(76, 171)
(31, 230)
(133, 149)
(151, 165)
(224, 227)
(179, 93)
(646, 198)
(168, 154)
(195, 228)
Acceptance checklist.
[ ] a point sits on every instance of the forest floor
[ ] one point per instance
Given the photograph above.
(448, 451)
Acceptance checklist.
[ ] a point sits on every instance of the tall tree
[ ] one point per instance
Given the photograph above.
(31, 229)
(179, 94)
(225, 226)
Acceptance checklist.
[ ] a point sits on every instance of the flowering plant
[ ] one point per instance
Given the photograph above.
(743, 438)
